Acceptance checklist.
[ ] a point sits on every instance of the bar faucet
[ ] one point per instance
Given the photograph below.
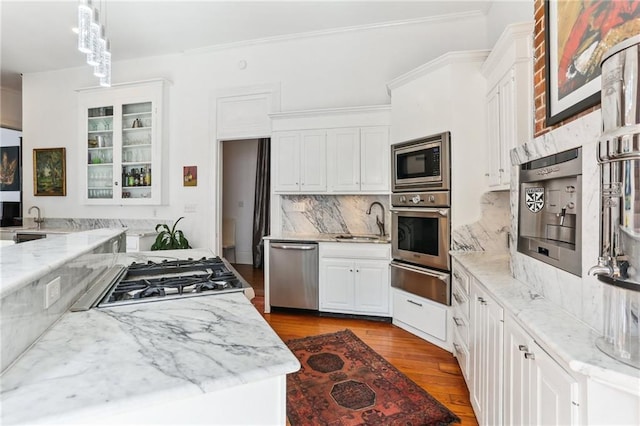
(378, 221)
(38, 220)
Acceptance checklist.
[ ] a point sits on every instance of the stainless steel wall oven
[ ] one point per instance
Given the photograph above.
(421, 227)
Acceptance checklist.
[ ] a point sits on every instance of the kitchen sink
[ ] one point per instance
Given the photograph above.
(21, 237)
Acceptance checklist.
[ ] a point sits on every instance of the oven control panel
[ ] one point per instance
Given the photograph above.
(421, 199)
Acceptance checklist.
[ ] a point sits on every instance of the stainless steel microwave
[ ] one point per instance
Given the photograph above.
(422, 164)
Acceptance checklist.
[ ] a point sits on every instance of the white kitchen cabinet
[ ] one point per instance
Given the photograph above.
(460, 318)
(537, 390)
(509, 73)
(299, 161)
(486, 353)
(354, 278)
(358, 159)
(121, 129)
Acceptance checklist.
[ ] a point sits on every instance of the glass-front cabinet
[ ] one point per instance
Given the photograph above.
(122, 133)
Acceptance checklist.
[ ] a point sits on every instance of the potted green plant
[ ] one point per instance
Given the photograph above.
(170, 239)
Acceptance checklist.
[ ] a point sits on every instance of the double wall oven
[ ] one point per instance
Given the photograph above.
(421, 211)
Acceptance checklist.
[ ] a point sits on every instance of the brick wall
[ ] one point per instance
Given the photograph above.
(539, 76)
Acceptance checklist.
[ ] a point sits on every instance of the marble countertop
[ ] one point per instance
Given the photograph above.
(25, 262)
(555, 330)
(109, 360)
(325, 238)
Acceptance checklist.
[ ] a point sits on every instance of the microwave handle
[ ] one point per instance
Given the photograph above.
(440, 276)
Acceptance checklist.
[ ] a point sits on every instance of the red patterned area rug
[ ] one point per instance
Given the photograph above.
(344, 382)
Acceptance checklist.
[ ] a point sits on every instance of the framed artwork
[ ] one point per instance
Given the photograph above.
(10, 168)
(49, 172)
(190, 176)
(577, 35)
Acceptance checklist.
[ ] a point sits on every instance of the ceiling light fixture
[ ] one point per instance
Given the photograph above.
(93, 42)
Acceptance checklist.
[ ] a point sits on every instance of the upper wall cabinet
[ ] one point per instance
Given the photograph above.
(121, 131)
(299, 161)
(358, 159)
(509, 73)
(337, 151)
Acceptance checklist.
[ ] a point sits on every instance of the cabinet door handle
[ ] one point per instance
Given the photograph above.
(357, 270)
(457, 297)
(523, 348)
(529, 355)
(456, 348)
(458, 321)
(414, 303)
(350, 270)
(456, 276)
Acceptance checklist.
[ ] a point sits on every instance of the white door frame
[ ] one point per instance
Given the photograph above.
(237, 113)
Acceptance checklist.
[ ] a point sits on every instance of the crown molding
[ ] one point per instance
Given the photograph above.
(513, 43)
(446, 59)
(333, 31)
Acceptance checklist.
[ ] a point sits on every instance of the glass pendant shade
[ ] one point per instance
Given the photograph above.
(93, 57)
(105, 81)
(84, 27)
(99, 69)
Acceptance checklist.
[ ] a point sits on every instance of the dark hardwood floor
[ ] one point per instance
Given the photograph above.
(432, 368)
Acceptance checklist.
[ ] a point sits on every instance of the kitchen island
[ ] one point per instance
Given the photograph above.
(190, 360)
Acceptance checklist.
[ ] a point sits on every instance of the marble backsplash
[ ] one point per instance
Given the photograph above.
(332, 214)
(580, 296)
(85, 224)
(492, 232)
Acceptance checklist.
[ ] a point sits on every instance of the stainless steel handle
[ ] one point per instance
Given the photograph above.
(529, 355)
(414, 303)
(458, 298)
(458, 321)
(523, 348)
(442, 277)
(293, 247)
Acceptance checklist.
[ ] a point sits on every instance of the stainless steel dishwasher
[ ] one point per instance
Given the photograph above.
(293, 275)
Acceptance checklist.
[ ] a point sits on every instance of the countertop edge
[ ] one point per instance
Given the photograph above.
(566, 339)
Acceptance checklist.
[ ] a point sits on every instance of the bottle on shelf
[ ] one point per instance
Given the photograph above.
(147, 180)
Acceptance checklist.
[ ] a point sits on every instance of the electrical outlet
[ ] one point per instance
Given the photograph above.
(52, 292)
(298, 207)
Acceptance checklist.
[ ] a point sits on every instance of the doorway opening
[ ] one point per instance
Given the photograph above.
(245, 205)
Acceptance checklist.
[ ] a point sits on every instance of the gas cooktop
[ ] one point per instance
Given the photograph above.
(165, 280)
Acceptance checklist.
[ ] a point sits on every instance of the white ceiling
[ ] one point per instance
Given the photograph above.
(37, 35)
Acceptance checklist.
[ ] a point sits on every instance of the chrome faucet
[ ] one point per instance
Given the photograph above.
(379, 222)
(38, 220)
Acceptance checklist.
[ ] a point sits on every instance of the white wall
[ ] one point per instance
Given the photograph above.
(10, 108)
(342, 69)
(239, 187)
(503, 12)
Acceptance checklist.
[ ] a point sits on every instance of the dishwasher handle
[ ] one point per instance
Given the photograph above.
(294, 246)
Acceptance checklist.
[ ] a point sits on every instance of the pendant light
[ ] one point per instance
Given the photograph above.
(85, 15)
(93, 42)
(105, 80)
(93, 57)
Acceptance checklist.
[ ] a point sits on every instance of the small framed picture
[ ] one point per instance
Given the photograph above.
(190, 176)
(49, 172)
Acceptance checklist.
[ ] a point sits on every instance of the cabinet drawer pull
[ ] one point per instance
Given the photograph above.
(458, 298)
(529, 355)
(414, 303)
(456, 348)
(458, 321)
(523, 348)
(456, 276)
(480, 299)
